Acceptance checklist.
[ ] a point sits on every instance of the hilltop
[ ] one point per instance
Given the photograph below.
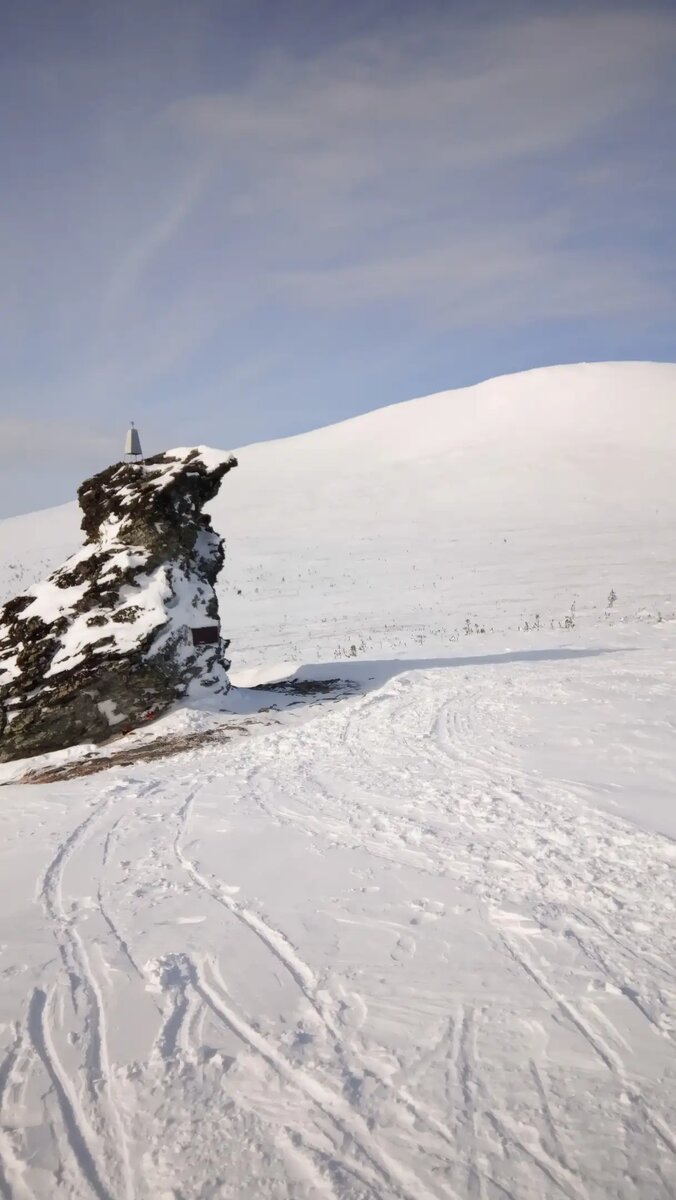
(488, 504)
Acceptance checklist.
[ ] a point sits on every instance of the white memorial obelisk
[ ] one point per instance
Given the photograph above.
(132, 445)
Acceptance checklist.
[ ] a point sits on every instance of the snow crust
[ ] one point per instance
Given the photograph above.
(414, 942)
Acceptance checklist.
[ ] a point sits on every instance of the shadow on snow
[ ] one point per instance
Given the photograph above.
(359, 676)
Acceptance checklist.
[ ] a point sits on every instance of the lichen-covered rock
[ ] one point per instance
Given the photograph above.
(130, 623)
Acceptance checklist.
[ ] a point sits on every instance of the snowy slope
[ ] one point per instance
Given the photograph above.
(417, 943)
(495, 502)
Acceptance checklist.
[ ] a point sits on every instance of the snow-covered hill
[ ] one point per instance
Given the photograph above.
(491, 504)
(417, 943)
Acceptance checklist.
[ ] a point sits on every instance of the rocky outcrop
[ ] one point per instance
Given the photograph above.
(130, 623)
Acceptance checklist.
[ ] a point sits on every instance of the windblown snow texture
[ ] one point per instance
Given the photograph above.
(108, 640)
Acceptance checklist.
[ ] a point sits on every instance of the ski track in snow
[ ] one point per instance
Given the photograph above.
(470, 996)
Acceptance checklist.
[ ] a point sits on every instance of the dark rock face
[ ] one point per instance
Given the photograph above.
(108, 640)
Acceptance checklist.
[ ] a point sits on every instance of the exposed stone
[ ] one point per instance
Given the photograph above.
(106, 642)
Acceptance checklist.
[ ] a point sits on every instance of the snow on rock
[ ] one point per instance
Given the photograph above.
(107, 641)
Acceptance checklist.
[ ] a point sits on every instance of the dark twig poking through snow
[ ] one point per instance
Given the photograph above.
(130, 623)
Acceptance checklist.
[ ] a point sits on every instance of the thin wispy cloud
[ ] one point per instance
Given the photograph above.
(386, 169)
(217, 215)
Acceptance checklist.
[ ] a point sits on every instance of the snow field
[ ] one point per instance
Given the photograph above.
(417, 943)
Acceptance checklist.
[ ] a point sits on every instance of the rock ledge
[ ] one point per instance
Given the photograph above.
(130, 623)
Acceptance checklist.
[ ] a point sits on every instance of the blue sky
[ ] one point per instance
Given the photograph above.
(233, 221)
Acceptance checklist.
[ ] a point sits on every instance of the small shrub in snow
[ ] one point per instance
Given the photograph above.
(569, 620)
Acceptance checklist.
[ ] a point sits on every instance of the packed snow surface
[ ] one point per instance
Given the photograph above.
(415, 942)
